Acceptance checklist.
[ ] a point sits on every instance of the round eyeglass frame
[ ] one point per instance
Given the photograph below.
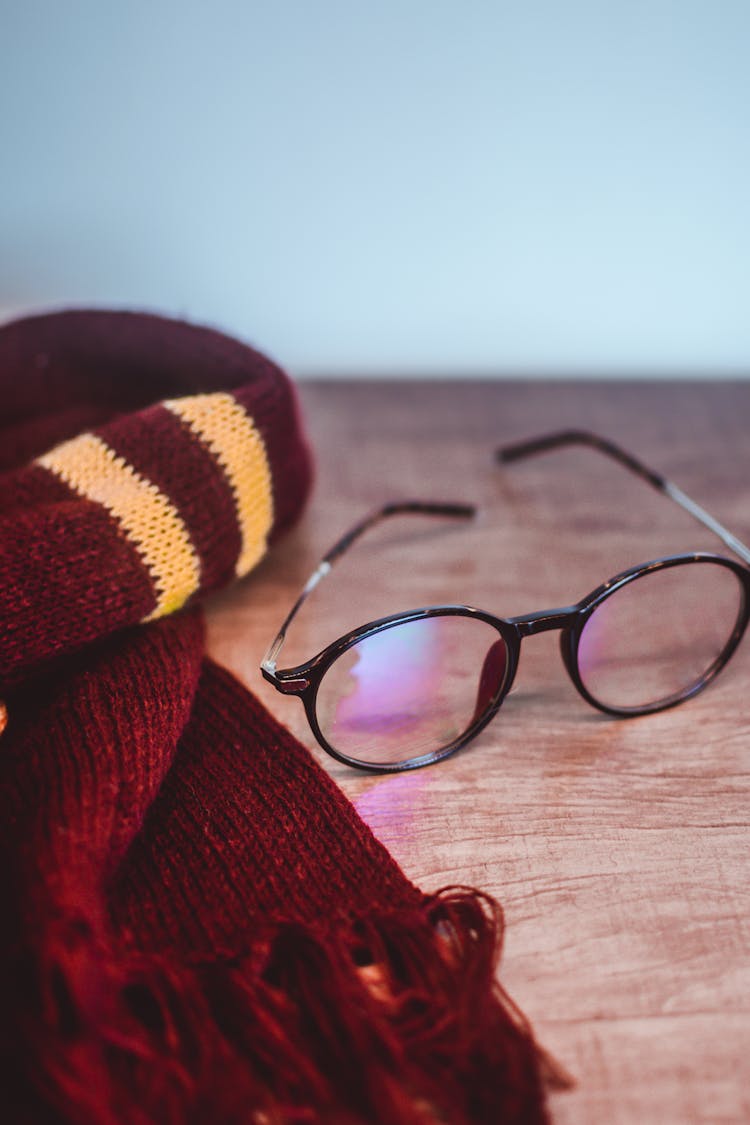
(305, 679)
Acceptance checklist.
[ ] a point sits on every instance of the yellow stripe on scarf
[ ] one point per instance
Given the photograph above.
(149, 519)
(229, 433)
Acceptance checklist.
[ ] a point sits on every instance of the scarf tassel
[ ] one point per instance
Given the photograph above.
(393, 1018)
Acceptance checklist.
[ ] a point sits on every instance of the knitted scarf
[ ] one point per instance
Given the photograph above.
(195, 925)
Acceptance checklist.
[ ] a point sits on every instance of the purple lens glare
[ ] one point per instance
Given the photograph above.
(411, 689)
(657, 637)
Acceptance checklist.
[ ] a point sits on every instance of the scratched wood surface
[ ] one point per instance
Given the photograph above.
(619, 849)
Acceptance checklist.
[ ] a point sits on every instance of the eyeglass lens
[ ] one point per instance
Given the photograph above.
(658, 636)
(411, 689)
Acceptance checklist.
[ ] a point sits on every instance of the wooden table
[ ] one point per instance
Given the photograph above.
(619, 849)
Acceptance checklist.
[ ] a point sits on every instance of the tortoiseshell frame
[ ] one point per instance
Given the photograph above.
(304, 679)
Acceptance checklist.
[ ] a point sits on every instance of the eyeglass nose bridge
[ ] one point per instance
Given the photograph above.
(544, 620)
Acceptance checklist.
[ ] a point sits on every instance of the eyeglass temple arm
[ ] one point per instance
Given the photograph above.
(396, 508)
(545, 442)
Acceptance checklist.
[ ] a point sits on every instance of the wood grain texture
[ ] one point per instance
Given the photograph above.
(619, 849)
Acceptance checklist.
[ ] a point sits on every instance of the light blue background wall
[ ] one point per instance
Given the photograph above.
(390, 187)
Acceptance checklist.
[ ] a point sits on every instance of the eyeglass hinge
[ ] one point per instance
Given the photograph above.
(295, 685)
(292, 687)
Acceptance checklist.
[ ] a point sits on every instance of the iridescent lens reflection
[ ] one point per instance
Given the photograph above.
(410, 689)
(656, 637)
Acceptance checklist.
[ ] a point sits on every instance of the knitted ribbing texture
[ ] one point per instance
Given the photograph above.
(196, 924)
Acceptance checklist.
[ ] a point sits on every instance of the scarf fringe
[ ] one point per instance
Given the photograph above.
(393, 1019)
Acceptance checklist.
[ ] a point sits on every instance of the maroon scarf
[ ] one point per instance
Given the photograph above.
(196, 926)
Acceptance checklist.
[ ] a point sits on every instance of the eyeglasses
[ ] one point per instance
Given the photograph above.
(410, 689)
